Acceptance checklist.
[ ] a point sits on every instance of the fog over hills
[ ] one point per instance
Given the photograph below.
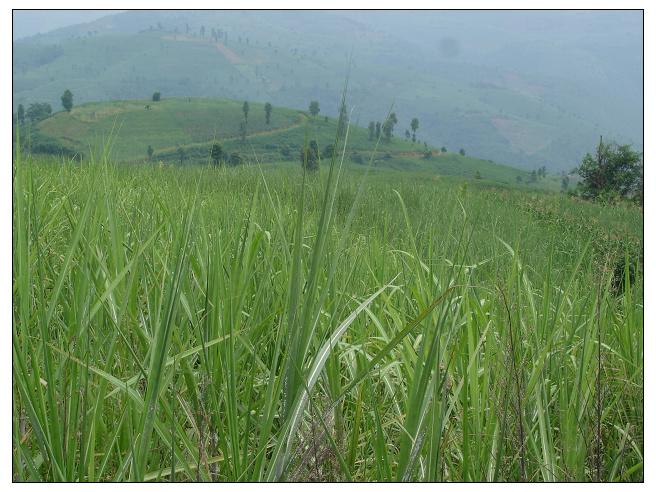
(524, 88)
(30, 23)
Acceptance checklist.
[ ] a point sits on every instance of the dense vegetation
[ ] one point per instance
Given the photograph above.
(616, 172)
(258, 323)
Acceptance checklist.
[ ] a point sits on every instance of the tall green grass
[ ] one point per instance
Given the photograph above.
(244, 324)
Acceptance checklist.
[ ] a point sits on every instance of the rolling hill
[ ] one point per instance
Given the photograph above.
(189, 126)
(523, 90)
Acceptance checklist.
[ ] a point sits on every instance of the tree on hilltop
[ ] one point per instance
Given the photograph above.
(245, 108)
(267, 112)
(414, 124)
(388, 126)
(314, 108)
(67, 100)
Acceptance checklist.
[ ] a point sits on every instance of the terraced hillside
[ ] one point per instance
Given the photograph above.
(182, 131)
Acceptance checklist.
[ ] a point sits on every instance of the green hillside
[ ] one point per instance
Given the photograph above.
(494, 105)
(194, 124)
(165, 125)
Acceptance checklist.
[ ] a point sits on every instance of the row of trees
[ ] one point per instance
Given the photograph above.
(375, 127)
(386, 128)
(268, 109)
(41, 110)
(215, 34)
(414, 125)
(35, 112)
(536, 175)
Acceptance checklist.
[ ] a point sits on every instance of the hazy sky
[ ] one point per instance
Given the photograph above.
(31, 22)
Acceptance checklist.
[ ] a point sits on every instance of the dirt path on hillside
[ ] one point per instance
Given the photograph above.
(273, 131)
(410, 153)
(229, 54)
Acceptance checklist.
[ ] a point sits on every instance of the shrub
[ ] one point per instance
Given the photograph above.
(235, 159)
(310, 156)
(614, 173)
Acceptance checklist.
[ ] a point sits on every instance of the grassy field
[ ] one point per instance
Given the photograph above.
(252, 323)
